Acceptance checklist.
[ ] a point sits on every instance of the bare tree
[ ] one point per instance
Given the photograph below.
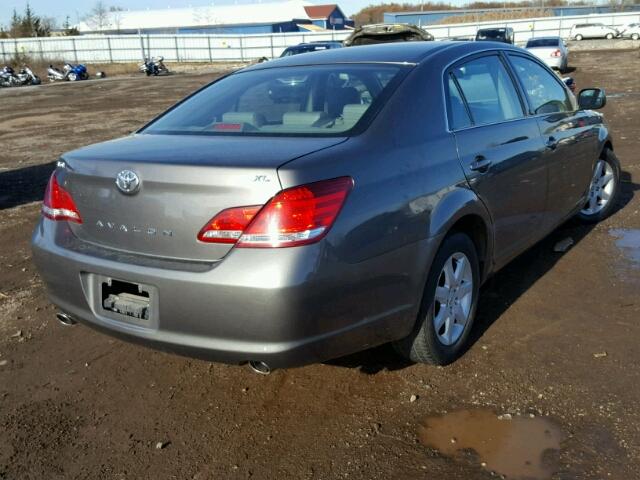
(99, 17)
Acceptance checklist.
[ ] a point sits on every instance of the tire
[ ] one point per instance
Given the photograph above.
(425, 344)
(635, 36)
(579, 37)
(72, 77)
(597, 210)
(609, 36)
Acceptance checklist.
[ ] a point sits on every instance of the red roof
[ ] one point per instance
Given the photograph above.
(320, 11)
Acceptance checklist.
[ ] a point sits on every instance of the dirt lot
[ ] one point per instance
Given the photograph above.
(557, 338)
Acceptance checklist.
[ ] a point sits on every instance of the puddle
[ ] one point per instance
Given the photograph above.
(517, 448)
(628, 241)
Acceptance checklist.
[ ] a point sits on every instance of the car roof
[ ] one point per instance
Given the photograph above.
(399, 52)
(549, 37)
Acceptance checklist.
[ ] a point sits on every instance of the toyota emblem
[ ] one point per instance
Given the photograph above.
(128, 182)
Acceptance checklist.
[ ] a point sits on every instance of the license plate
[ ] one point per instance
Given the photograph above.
(124, 298)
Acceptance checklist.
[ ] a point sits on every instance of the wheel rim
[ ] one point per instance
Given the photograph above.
(453, 299)
(601, 189)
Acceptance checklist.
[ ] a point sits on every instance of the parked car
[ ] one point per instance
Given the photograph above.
(504, 35)
(317, 205)
(631, 31)
(387, 33)
(592, 30)
(551, 50)
(310, 47)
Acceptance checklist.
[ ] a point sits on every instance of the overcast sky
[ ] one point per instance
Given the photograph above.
(78, 8)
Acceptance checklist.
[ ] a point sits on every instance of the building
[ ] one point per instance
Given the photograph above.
(270, 17)
(433, 17)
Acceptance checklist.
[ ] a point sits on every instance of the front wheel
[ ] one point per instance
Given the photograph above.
(579, 37)
(604, 188)
(609, 36)
(448, 305)
(72, 77)
(635, 36)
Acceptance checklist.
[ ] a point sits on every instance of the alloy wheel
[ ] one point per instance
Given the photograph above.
(601, 189)
(453, 299)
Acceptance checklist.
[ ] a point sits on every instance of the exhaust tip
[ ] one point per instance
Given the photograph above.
(260, 367)
(65, 319)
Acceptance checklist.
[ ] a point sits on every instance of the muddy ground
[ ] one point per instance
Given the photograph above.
(556, 337)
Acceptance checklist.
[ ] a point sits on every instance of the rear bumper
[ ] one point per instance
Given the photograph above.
(285, 307)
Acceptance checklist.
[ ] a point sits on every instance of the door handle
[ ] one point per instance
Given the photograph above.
(552, 143)
(480, 164)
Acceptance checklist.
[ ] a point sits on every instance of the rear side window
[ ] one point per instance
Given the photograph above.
(488, 90)
(458, 115)
(543, 89)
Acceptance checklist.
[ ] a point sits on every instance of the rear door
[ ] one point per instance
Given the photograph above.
(570, 139)
(500, 150)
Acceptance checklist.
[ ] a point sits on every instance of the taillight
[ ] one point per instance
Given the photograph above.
(58, 204)
(295, 216)
(228, 225)
(556, 53)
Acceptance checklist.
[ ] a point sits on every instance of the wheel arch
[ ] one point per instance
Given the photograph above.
(462, 211)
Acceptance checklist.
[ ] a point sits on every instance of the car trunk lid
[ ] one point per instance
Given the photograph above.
(185, 180)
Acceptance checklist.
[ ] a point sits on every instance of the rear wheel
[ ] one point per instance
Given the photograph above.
(579, 37)
(448, 305)
(635, 36)
(603, 191)
(73, 77)
(609, 36)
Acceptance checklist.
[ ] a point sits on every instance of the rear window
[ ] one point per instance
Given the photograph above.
(309, 100)
(543, 42)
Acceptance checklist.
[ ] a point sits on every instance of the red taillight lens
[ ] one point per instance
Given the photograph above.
(556, 53)
(297, 216)
(58, 204)
(228, 225)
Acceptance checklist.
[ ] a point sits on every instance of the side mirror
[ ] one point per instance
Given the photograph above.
(592, 99)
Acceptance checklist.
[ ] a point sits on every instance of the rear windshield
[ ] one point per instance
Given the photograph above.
(486, 34)
(303, 49)
(543, 42)
(309, 100)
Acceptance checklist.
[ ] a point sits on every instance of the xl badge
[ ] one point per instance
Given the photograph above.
(128, 182)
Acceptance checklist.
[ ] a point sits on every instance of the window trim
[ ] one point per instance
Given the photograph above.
(530, 110)
(469, 58)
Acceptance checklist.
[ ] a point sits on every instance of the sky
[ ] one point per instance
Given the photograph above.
(76, 9)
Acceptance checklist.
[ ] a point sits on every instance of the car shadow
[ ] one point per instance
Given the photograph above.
(500, 291)
(24, 185)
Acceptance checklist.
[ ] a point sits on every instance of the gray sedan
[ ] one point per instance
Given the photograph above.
(321, 204)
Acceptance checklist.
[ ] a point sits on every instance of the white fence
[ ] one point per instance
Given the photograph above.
(212, 48)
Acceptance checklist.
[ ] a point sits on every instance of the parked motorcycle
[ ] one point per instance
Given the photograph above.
(69, 72)
(9, 78)
(154, 66)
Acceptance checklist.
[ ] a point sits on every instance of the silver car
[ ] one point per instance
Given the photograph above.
(592, 30)
(631, 31)
(317, 205)
(551, 50)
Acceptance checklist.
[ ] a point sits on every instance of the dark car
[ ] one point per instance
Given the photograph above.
(310, 47)
(504, 35)
(317, 205)
(387, 33)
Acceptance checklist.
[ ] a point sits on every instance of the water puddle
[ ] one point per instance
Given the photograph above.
(628, 241)
(518, 447)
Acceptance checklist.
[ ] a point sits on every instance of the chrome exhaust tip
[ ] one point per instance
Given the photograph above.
(260, 367)
(65, 319)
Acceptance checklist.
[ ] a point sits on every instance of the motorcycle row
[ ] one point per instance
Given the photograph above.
(153, 66)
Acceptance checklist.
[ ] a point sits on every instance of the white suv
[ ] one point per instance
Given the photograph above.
(592, 30)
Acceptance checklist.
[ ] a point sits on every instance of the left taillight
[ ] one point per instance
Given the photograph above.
(58, 203)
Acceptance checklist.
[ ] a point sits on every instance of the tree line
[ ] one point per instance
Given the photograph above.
(30, 24)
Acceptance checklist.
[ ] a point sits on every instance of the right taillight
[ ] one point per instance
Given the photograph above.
(58, 204)
(556, 53)
(295, 216)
